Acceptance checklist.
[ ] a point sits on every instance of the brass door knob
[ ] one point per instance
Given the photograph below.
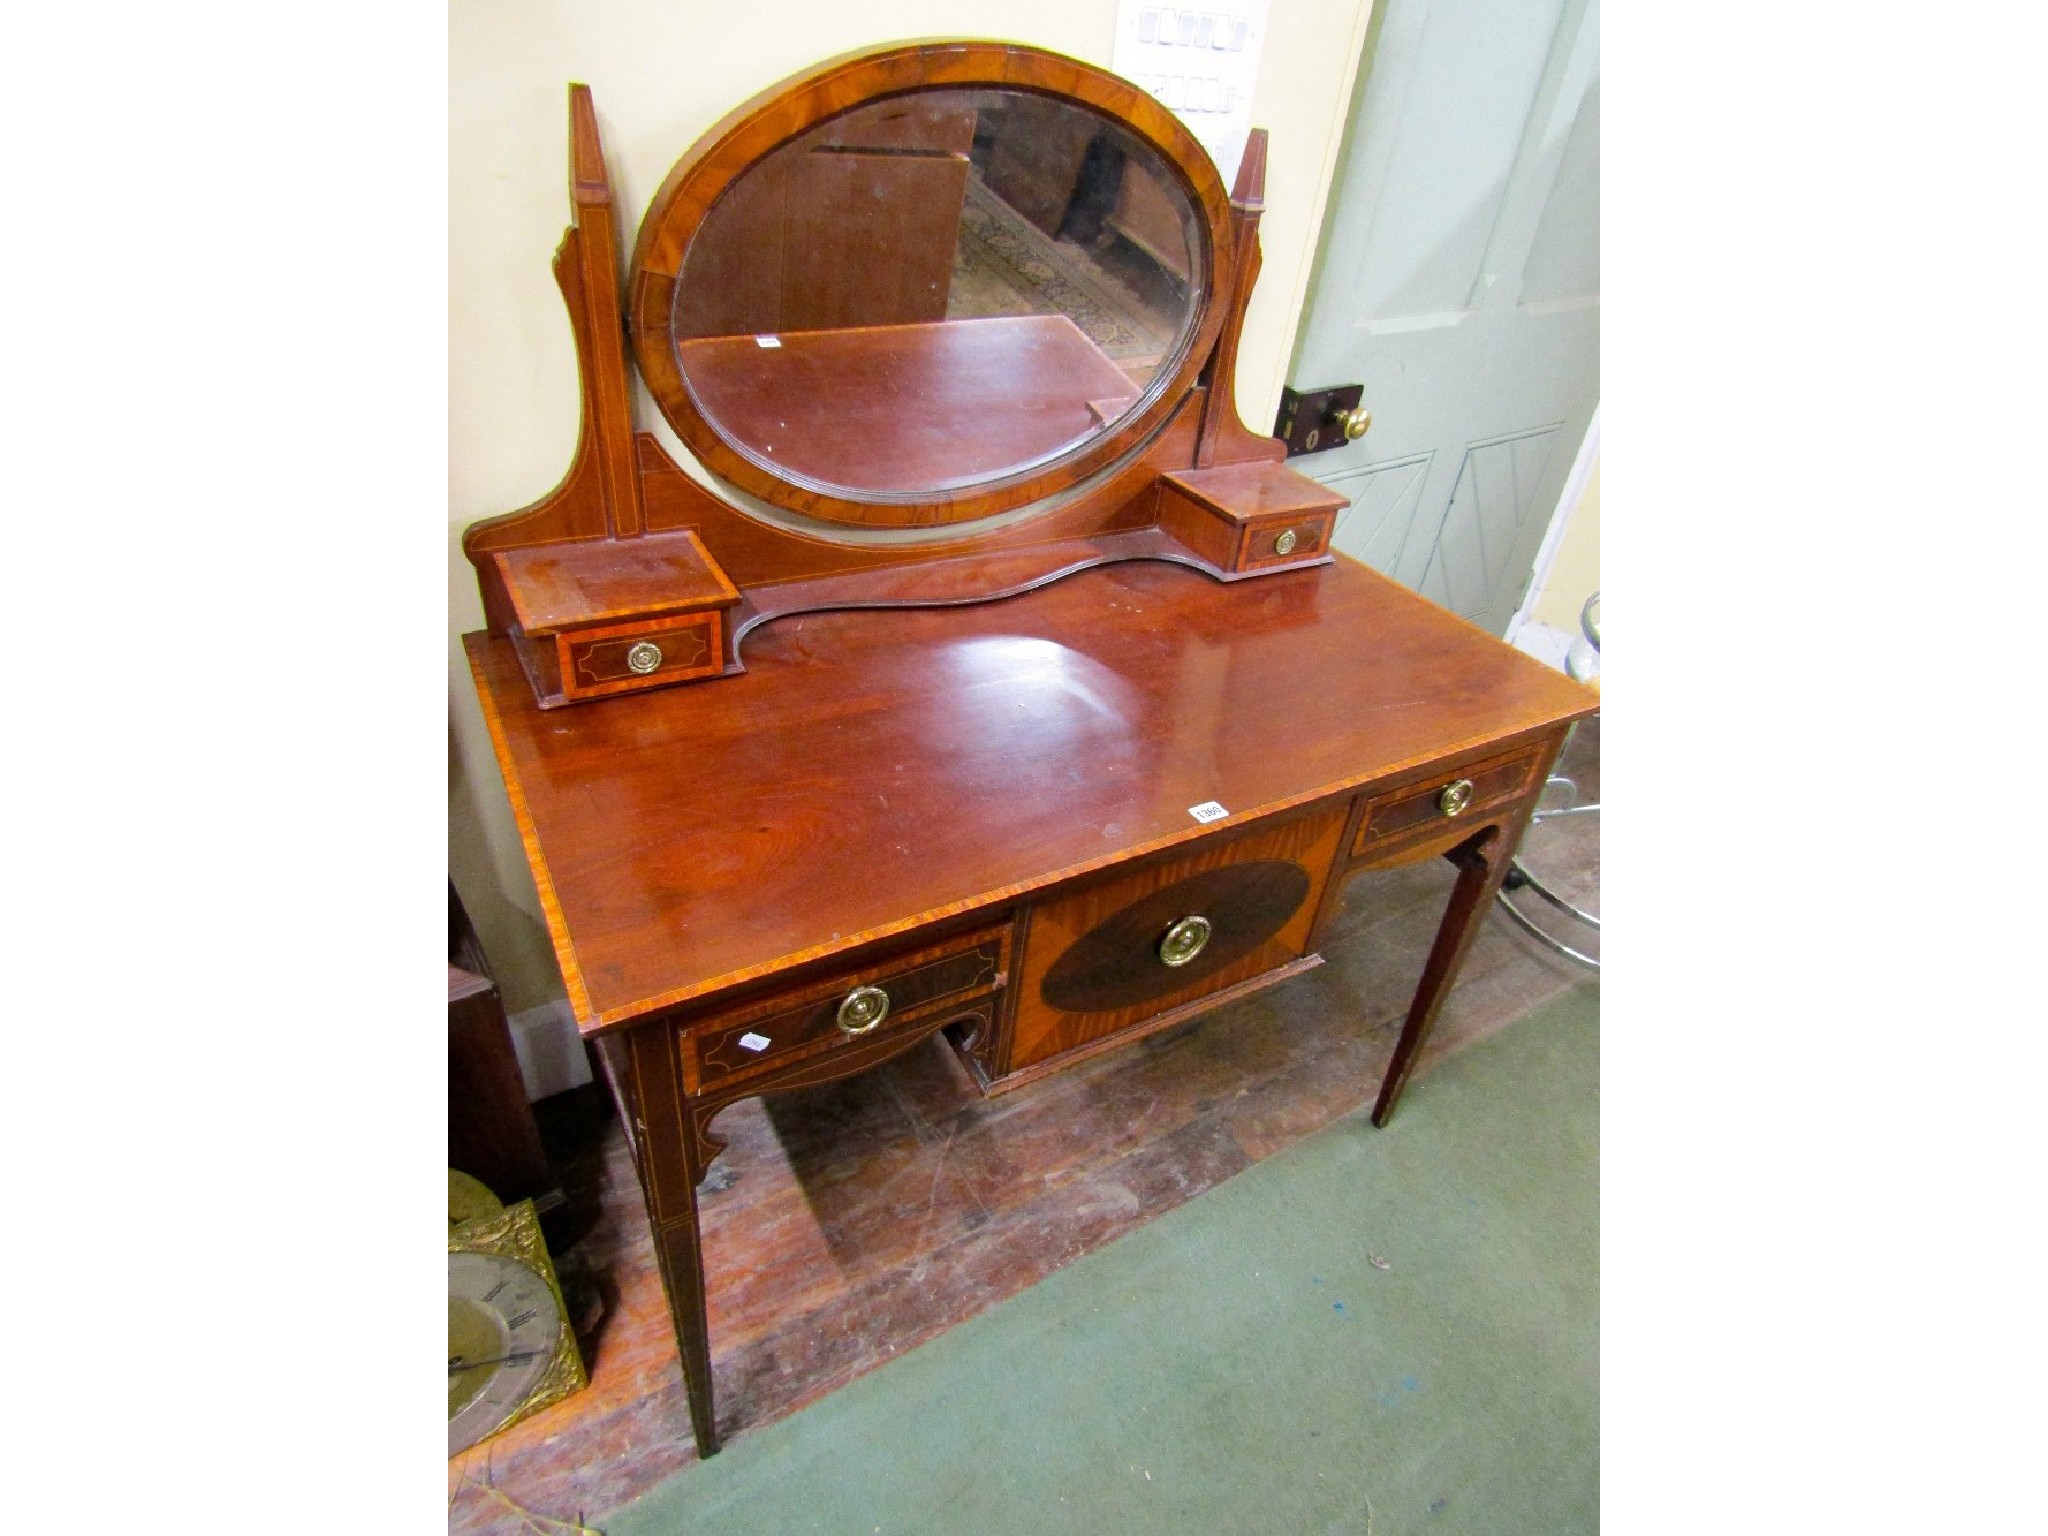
(1355, 422)
(862, 1009)
(644, 657)
(1455, 797)
(1184, 940)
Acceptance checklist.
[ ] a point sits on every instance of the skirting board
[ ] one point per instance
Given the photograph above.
(550, 1051)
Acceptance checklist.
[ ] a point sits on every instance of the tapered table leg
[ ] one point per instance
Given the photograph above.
(1482, 865)
(681, 1255)
(671, 1157)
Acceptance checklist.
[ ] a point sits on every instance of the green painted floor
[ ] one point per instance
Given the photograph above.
(1386, 1331)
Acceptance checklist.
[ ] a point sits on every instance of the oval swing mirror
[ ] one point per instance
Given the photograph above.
(935, 303)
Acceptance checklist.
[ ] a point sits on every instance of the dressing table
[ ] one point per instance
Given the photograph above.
(1005, 687)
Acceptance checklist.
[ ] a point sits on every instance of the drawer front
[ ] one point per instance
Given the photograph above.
(1448, 797)
(596, 662)
(1305, 539)
(860, 1005)
(1113, 954)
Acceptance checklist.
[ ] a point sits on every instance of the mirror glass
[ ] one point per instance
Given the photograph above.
(937, 290)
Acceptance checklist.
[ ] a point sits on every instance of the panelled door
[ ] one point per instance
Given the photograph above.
(1459, 281)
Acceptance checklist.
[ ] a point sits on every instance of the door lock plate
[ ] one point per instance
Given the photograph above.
(1312, 420)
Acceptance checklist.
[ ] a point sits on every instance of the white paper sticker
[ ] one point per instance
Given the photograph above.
(1208, 810)
(767, 341)
(754, 1042)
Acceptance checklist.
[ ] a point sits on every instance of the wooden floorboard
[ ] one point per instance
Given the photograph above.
(847, 1224)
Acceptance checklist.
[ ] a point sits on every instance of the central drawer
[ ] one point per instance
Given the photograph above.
(1111, 956)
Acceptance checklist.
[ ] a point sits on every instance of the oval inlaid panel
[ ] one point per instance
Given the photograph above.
(1116, 963)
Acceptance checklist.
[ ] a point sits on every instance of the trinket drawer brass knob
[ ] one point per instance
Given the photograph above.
(862, 1010)
(1284, 545)
(1455, 797)
(1184, 940)
(644, 657)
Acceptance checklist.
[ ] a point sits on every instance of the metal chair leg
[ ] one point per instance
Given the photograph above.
(1539, 935)
(1519, 878)
(1583, 663)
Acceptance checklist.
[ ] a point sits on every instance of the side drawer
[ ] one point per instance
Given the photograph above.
(1277, 541)
(595, 662)
(1463, 793)
(871, 1003)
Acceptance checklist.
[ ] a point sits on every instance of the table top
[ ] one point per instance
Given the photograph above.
(876, 770)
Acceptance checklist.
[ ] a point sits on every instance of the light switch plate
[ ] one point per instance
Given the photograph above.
(1201, 61)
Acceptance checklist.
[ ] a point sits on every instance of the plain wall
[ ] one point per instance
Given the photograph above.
(660, 74)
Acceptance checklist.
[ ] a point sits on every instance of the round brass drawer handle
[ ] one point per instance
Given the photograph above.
(1184, 940)
(862, 1009)
(1284, 545)
(644, 657)
(1455, 797)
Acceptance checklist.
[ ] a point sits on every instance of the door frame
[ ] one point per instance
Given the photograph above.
(1560, 516)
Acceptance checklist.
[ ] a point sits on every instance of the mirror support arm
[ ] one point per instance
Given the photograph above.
(600, 496)
(1225, 437)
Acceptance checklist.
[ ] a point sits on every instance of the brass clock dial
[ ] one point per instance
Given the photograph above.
(504, 1331)
(511, 1350)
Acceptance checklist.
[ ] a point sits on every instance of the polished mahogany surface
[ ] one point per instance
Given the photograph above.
(876, 771)
(1092, 970)
(1245, 491)
(931, 406)
(552, 586)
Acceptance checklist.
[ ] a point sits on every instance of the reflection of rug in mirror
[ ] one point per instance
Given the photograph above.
(1004, 265)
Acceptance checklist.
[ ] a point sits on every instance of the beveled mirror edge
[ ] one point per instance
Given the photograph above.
(782, 112)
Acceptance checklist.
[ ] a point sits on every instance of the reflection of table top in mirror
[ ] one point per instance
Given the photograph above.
(875, 771)
(900, 409)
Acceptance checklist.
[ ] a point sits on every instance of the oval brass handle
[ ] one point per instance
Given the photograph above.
(1455, 797)
(862, 1009)
(1284, 545)
(644, 657)
(1184, 940)
(1355, 422)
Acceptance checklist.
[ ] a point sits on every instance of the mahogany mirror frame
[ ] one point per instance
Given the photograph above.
(738, 142)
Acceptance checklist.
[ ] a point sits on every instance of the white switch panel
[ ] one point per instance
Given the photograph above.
(1201, 62)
